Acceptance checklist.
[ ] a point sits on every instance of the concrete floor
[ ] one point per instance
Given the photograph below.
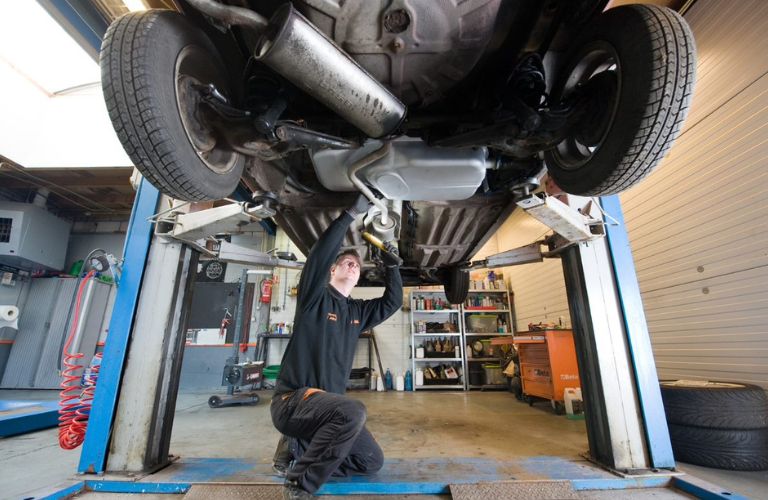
(492, 425)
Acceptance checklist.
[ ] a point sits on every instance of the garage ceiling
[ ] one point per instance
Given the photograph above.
(94, 194)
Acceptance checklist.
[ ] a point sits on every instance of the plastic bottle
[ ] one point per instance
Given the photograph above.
(374, 376)
(380, 384)
(408, 381)
(90, 374)
(388, 380)
(419, 377)
(574, 405)
(400, 383)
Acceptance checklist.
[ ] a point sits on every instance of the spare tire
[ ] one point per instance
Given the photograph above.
(718, 405)
(732, 449)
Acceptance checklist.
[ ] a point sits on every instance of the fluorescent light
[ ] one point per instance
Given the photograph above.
(135, 5)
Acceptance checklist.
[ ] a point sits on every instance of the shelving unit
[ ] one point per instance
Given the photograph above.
(428, 309)
(486, 314)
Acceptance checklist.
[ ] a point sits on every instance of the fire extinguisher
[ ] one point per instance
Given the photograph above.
(266, 290)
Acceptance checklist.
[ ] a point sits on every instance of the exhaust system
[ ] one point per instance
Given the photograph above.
(296, 49)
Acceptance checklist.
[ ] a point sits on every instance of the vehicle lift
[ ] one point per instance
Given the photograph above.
(129, 431)
(128, 438)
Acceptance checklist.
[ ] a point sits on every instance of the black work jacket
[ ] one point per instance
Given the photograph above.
(327, 325)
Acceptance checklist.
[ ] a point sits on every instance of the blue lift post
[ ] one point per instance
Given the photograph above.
(646, 377)
(138, 237)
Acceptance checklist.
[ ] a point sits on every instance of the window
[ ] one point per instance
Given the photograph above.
(5, 229)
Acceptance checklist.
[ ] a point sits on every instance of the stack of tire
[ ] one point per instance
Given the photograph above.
(717, 424)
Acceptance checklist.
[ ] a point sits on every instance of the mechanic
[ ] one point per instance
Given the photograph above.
(323, 430)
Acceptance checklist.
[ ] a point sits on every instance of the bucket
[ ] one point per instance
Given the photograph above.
(574, 405)
(493, 375)
(271, 372)
(476, 374)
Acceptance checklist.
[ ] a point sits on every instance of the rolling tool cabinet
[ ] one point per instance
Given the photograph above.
(547, 365)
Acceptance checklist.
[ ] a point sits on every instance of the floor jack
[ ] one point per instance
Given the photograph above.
(237, 374)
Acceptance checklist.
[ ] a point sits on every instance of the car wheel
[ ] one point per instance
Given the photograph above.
(150, 64)
(456, 285)
(636, 69)
(721, 405)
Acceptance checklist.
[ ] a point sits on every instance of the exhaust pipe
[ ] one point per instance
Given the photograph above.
(301, 53)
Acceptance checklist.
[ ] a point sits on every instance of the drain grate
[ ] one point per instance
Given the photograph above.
(520, 490)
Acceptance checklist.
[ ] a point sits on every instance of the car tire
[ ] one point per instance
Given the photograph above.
(456, 285)
(718, 405)
(638, 64)
(732, 449)
(150, 63)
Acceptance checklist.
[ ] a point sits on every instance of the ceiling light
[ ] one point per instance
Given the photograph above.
(135, 5)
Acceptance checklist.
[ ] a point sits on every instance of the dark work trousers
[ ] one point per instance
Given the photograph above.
(329, 434)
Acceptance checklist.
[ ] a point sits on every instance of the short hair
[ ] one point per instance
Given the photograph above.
(351, 253)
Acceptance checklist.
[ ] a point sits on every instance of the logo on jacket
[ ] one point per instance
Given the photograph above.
(332, 317)
(355, 321)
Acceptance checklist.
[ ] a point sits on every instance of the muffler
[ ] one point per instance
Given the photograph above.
(301, 53)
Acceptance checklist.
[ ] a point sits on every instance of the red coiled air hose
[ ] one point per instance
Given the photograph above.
(75, 404)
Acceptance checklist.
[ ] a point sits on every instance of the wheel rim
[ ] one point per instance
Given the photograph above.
(597, 76)
(194, 68)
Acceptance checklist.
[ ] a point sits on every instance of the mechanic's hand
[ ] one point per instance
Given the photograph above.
(391, 257)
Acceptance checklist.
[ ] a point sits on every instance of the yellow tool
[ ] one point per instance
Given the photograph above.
(379, 244)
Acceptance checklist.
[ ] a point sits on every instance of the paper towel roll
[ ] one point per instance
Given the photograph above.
(9, 317)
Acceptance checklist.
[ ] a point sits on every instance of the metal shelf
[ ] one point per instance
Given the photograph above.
(472, 310)
(432, 386)
(472, 334)
(488, 386)
(422, 360)
(434, 310)
(488, 291)
(482, 360)
(437, 334)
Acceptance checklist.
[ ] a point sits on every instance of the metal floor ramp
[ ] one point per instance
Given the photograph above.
(452, 478)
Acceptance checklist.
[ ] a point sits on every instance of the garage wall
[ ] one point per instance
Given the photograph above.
(698, 225)
(538, 289)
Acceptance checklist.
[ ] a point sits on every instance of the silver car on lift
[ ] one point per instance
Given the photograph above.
(437, 110)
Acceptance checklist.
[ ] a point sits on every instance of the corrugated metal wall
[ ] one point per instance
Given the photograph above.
(698, 226)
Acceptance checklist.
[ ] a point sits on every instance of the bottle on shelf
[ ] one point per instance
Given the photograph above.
(400, 382)
(419, 377)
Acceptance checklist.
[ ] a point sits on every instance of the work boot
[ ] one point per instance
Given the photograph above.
(292, 491)
(281, 462)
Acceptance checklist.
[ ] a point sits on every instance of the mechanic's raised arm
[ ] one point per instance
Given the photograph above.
(377, 310)
(316, 272)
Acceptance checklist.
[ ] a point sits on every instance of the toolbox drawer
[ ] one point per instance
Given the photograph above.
(534, 353)
(537, 388)
(537, 373)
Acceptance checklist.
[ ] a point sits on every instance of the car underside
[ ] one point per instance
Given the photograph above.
(438, 111)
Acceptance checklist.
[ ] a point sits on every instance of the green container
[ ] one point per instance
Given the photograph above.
(77, 266)
(271, 372)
